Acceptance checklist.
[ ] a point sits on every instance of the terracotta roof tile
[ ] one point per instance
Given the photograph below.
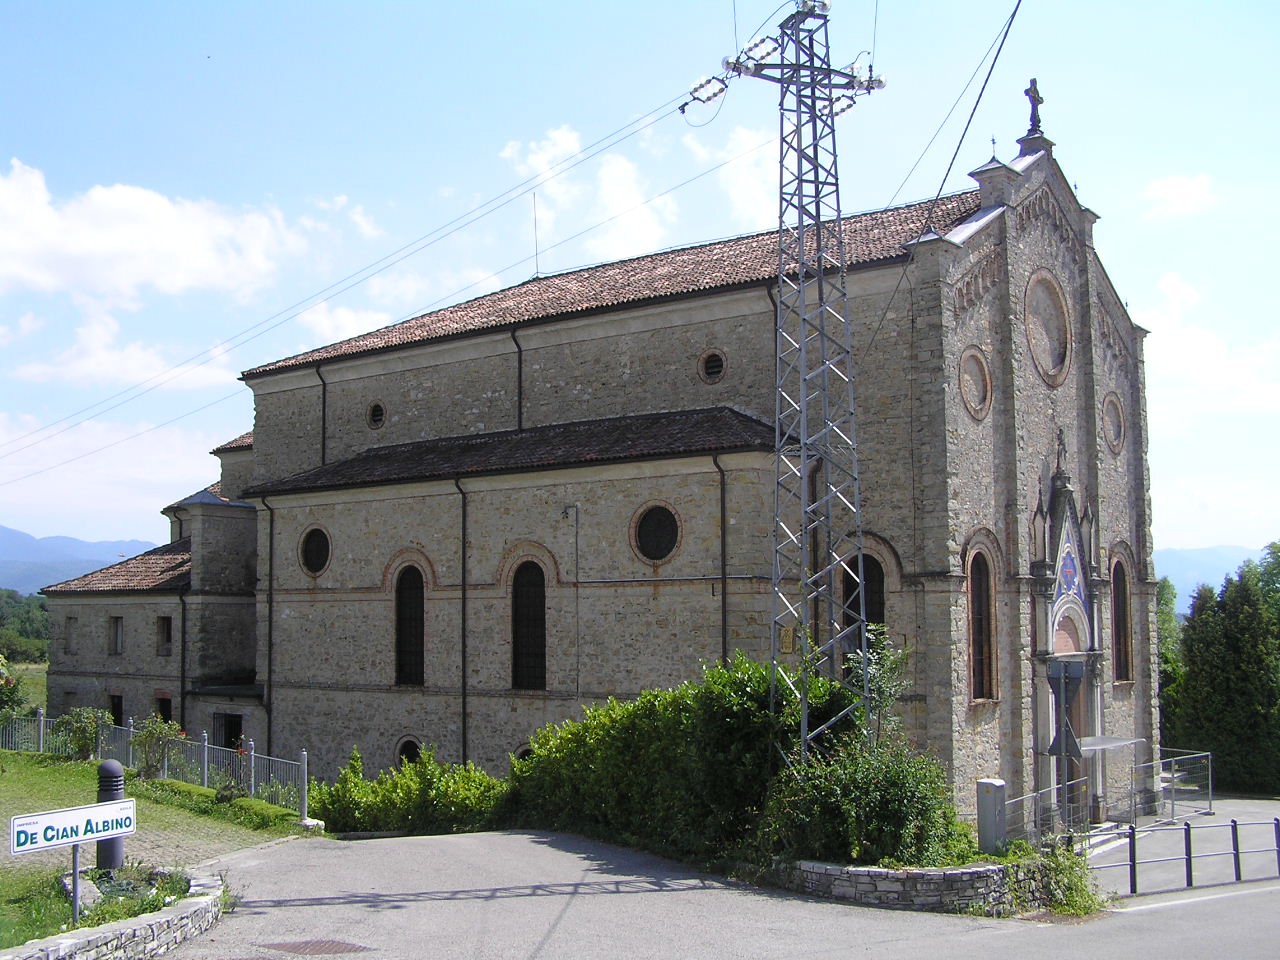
(165, 569)
(202, 496)
(869, 238)
(656, 435)
(242, 442)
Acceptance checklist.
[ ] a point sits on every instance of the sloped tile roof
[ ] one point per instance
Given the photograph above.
(242, 442)
(165, 569)
(869, 238)
(648, 436)
(210, 494)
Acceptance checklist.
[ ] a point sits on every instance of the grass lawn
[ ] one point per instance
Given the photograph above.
(167, 836)
(35, 687)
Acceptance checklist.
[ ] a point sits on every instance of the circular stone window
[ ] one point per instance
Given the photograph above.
(1113, 422)
(409, 751)
(711, 366)
(656, 533)
(975, 382)
(1048, 327)
(376, 415)
(315, 551)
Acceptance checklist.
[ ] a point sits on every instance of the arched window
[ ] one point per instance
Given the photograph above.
(1121, 632)
(529, 628)
(873, 581)
(982, 660)
(410, 627)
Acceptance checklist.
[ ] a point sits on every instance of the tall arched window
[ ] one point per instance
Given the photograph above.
(982, 660)
(1121, 632)
(410, 627)
(873, 581)
(529, 628)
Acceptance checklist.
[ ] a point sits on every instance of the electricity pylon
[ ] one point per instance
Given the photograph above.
(819, 607)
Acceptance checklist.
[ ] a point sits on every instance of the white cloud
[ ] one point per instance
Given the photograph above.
(336, 203)
(114, 494)
(537, 160)
(364, 223)
(113, 242)
(1177, 196)
(749, 179)
(331, 324)
(97, 357)
(640, 227)
(1193, 371)
(28, 324)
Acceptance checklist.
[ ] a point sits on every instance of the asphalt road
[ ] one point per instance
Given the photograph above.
(526, 895)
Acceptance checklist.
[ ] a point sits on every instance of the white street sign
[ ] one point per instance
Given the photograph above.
(58, 828)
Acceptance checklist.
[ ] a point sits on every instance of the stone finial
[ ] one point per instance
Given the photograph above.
(1032, 93)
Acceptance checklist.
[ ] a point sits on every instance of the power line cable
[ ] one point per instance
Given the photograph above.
(928, 221)
(239, 339)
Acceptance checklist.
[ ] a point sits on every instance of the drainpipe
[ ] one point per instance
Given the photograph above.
(324, 416)
(519, 382)
(724, 564)
(268, 697)
(182, 669)
(462, 493)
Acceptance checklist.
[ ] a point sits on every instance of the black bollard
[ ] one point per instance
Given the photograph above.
(110, 787)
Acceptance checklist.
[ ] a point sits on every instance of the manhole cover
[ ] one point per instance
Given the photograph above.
(316, 948)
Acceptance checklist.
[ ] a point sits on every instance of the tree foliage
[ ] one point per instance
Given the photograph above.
(1172, 676)
(24, 627)
(12, 698)
(1231, 689)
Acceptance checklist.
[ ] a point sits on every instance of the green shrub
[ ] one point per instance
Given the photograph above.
(680, 772)
(423, 796)
(150, 740)
(245, 811)
(79, 727)
(863, 802)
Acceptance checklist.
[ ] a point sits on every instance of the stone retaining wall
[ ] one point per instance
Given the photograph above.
(148, 935)
(992, 889)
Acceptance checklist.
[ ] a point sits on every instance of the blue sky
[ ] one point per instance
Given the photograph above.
(174, 177)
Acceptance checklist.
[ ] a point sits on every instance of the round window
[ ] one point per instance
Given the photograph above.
(1113, 422)
(377, 415)
(1048, 327)
(975, 382)
(315, 551)
(409, 751)
(657, 533)
(711, 366)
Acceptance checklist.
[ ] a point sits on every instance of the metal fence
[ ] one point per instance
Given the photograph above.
(1206, 853)
(188, 759)
(1178, 785)
(1052, 810)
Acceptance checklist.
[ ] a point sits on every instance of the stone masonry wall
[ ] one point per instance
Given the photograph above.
(616, 624)
(82, 670)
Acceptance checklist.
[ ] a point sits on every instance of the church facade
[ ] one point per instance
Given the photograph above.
(454, 530)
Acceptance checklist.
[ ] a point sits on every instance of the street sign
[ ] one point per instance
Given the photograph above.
(59, 828)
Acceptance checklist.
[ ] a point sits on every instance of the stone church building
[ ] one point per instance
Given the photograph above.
(454, 530)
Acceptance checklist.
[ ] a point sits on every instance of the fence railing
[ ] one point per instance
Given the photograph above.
(1049, 811)
(189, 759)
(1263, 834)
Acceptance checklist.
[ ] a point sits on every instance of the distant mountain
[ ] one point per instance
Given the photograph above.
(28, 563)
(1190, 568)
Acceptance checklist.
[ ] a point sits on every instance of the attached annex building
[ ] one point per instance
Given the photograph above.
(455, 529)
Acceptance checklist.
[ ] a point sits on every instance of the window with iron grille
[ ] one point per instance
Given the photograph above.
(529, 628)
(1121, 632)
(410, 627)
(164, 636)
(982, 665)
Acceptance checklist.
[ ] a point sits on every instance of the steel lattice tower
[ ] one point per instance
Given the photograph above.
(817, 507)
